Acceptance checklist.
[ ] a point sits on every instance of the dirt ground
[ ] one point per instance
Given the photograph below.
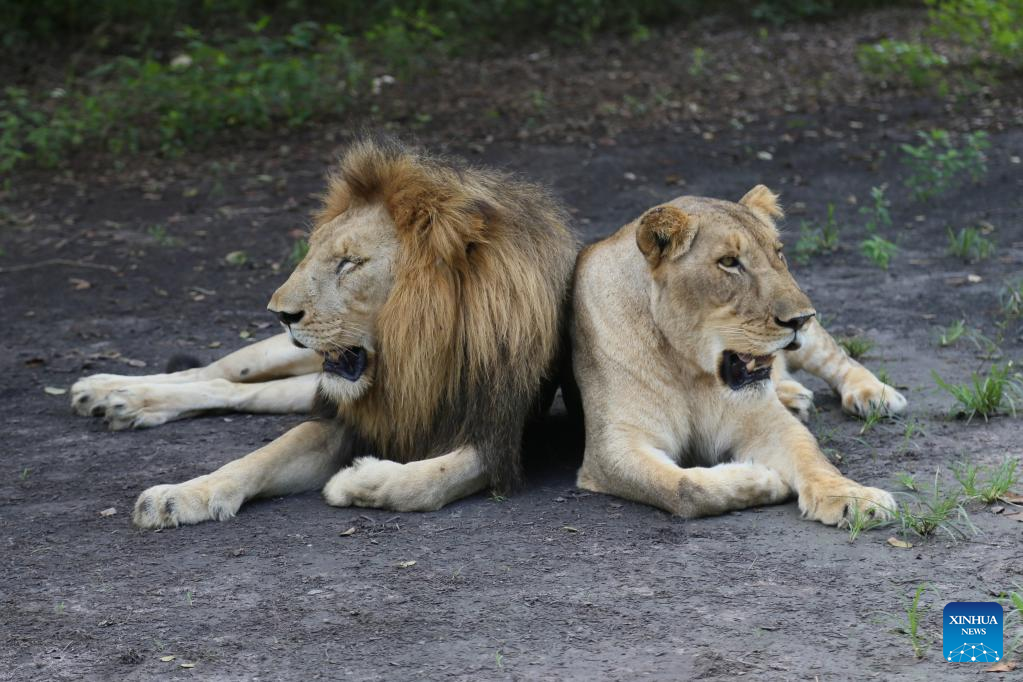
(552, 583)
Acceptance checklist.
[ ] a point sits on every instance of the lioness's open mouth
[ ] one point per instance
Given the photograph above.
(742, 369)
(348, 363)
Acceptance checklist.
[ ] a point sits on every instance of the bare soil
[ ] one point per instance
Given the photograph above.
(552, 583)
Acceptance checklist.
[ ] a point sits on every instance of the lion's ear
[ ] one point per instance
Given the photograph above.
(762, 200)
(664, 232)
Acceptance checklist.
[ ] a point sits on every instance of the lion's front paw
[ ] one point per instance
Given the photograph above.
(89, 395)
(796, 397)
(864, 394)
(363, 484)
(133, 408)
(836, 501)
(165, 506)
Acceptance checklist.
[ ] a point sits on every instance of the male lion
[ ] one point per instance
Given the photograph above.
(433, 298)
(679, 320)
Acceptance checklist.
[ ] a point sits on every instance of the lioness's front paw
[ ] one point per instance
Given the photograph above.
(836, 502)
(863, 394)
(796, 397)
(363, 484)
(165, 506)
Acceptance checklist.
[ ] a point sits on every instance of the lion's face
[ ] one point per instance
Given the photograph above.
(722, 293)
(332, 300)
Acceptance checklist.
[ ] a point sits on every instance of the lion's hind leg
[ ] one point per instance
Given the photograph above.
(646, 474)
(426, 485)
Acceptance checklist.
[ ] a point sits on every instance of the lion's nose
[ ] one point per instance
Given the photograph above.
(795, 323)
(290, 318)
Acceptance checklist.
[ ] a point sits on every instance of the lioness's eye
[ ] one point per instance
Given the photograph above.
(730, 263)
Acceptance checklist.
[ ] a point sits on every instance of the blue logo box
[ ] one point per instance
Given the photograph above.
(972, 632)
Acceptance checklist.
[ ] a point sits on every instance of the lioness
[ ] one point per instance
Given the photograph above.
(680, 318)
(432, 298)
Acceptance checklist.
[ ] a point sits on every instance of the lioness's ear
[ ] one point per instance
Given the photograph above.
(764, 201)
(664, 232)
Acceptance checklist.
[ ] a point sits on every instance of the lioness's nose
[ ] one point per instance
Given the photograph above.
(796, 323)
(289, 318)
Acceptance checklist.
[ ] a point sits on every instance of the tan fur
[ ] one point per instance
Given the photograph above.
(461, 240)
(453, 281)
(656, 306)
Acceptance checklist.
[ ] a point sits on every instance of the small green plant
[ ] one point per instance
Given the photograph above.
(969, 244)
(879, 250)
(855, 346)
(25, 473)
(877, 212)
(862, 521)
(988, 395)
(952, 333)
(937, 164)
(931, 511)
(912, 626)
(817, 239)
(59, 608)
(874, 417)
(907, 481)
(697, 62)
(188, 597)
(1015, 600)
(985, 485)
(298, 252)
(884, 377)
(161, 236)
(496, 497)
(1012, 300)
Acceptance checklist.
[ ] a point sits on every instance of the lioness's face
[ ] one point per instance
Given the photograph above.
(722, 292)
(332, 300)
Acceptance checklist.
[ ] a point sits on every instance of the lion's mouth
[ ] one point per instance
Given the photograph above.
(742, 369)
(348, 363)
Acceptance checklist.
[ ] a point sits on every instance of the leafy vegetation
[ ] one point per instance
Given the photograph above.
(969, 244)
(814, 240)
(995, 393)
(919, 64)
(855, 346)
(952, 333)
(937, 164)
(298, 252)
(912, 626)
(1012, 300)
(985, 485)
(879, 250)
(256, 81)
(967, 40)
(934, 510)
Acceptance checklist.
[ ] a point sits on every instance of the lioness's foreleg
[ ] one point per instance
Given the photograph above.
(145, 405)
(426, 485)
(861, 391)
(302, 459)
(269, 359)
(824, 494)
(632, 468)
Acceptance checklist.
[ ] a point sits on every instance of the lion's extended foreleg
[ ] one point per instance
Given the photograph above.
(824, 494)
(302, 459)
(631, 468)
(269, 359)
(145, 405)
(861, 391)
(426, 485)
